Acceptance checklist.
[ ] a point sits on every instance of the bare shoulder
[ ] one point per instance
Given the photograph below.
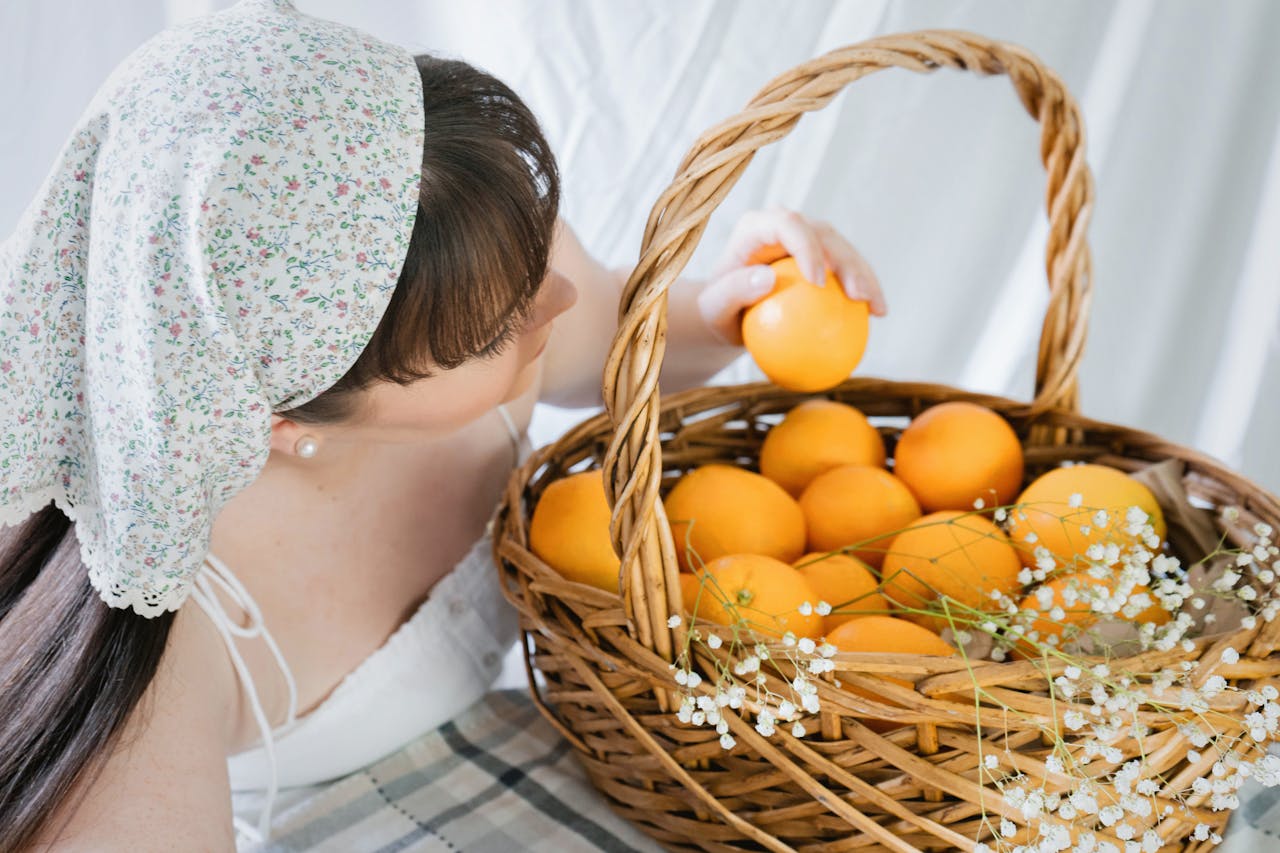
(164, 786)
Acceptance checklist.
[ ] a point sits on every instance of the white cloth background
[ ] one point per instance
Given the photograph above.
(935, 178)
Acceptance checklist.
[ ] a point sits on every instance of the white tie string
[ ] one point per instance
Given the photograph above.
(227, 627)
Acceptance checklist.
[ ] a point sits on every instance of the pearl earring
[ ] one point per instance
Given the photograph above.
(306, 447)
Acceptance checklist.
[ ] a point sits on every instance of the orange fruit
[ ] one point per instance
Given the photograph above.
(962, 556)
(764, 592)
(955, 453)
(719, 509)
(569, 530)
(844, 582)
(816, 436)
(805, 337)
(1074, 593)
(885, 634)
(857, 505)
(690, 585)
(1044, 509)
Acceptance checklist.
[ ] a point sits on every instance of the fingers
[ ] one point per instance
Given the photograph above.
(722, 302)
(764, 236)
(855, 274)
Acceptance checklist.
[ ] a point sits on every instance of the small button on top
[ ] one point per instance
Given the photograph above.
(457, 606)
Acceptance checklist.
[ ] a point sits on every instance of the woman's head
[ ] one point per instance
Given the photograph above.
(476, 295)
(463, 326)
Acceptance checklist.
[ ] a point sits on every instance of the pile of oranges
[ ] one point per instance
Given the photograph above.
(834, 539)
(831, 521)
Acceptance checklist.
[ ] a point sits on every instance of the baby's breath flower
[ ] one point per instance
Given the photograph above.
(1108, 815)
(714, 641)
(979, 503)
(807, 645)
(798, 730)
(805, 609)
(823, 608)
(727, 741)
(1230, 656)
(1075, 500)
(673, 622)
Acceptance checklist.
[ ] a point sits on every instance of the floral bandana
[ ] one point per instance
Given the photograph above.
(217, 241)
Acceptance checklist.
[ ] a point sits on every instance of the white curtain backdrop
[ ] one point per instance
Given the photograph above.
(935, 178)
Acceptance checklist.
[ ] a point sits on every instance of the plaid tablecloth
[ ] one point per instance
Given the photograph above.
(498, 779)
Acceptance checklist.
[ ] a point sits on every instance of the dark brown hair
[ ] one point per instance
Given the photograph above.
(71, 668)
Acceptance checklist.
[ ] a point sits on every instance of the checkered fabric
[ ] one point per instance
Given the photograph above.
(496, 779)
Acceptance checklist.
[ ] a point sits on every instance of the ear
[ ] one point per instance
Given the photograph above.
(285, 434)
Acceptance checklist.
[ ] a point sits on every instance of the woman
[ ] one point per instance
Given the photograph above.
(272, 334)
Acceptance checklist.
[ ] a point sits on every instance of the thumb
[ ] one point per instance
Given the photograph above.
(722, 302)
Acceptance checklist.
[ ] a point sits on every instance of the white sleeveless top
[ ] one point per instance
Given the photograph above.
(438, 663)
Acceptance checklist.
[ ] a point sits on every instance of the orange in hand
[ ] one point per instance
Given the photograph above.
(805, 337)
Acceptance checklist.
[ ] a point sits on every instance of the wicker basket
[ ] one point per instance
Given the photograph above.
(604, 659)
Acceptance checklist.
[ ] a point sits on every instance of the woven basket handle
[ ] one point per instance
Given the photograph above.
(633, 463)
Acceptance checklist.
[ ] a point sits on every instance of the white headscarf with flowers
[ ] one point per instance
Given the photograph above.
(217, 241)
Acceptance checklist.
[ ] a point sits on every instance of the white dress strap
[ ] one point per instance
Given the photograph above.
(216, 571)
(519, 440)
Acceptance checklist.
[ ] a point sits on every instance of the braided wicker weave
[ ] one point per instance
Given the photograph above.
(599, 663)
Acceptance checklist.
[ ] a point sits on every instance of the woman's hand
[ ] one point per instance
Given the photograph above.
(743, 276)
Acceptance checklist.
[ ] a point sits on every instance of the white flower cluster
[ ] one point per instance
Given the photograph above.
(1119, 810)
(1115, 800)
(744, 683)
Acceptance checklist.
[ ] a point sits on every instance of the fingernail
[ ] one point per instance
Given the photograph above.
(762, 280)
